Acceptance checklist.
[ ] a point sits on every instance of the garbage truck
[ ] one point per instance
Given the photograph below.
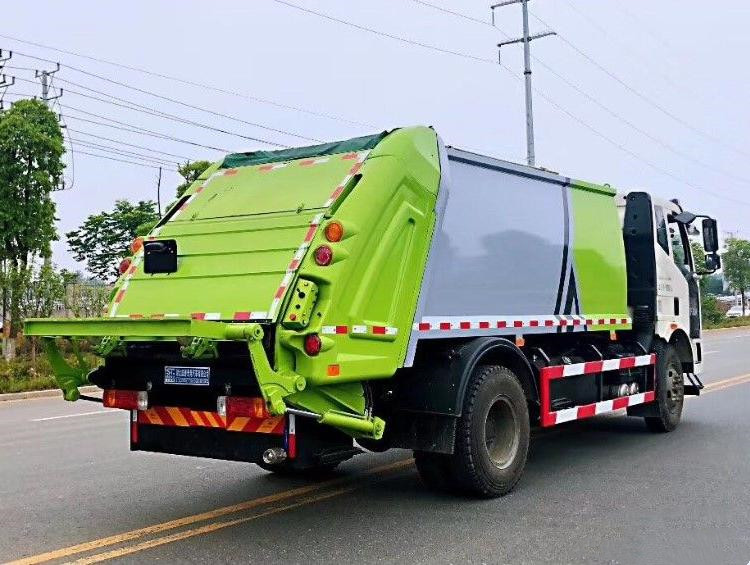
(296, 307)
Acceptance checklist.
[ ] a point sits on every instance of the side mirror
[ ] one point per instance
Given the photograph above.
(713, 262)
(710, 236)
(684, 217)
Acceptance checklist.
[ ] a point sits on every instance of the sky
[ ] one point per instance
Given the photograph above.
(642, 95)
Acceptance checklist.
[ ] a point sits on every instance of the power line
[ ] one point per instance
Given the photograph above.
(536, 90)
(642, 96)
(181, 81)
(122, 160)
(383, 34)
(160, 114)
(136, 129)
(583, 92)
(134, 145)
(124, 152)
(174, 101)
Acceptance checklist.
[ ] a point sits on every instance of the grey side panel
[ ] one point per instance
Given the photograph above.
(500, 246)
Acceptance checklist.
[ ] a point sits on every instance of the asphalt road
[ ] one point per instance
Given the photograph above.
(598, 491)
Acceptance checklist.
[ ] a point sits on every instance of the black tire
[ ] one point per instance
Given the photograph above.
(492, 435)
(286, 469)
(435, 471)
(670, 390)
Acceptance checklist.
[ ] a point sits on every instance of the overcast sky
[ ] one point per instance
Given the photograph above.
(685, 112)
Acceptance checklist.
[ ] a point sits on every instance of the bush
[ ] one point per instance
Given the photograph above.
(710, 310)
(22, 374)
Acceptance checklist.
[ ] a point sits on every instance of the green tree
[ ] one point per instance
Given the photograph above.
(31, 167)
(736, 266)
(711, 313)
(44, 292)
(103, 239)
(84, 298)
(190, 172)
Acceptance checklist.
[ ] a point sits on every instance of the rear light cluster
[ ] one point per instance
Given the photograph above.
(136, 246)
(334, 232)
(313, 344)
(126, 399)
(124, 266)
(323, 254)
(242, 406)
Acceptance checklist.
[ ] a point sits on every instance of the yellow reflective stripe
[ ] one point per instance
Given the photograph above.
(268, 424)
(238, 424)
(177, 416)
(211, 420)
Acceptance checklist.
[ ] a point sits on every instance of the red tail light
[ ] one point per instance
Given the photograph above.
(124, 266)
(323, 255)
(244, 406)
(126, 399)
(313, 344)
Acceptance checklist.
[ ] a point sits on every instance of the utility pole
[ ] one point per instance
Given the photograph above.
(158, 192)
(526, 40)
(44, 77)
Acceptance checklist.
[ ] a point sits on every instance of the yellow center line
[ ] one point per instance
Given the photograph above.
(203, 516)
(208, 528)
(244, 506)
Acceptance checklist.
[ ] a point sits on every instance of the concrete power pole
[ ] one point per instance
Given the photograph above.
(526, 40)
(44, 77)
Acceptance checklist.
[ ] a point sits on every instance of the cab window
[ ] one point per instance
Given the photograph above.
(661, 229)
(680, 246)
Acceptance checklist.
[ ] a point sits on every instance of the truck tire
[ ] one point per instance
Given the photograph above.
(492, 435)
(670, 392)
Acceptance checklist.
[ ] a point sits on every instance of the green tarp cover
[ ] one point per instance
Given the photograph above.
(262, 157)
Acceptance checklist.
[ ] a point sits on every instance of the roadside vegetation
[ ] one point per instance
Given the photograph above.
(31, 286)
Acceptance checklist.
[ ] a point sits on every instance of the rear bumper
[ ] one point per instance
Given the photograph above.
(214, 443)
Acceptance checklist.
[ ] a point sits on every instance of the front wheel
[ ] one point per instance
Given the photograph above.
(492, 436)
(670, 390)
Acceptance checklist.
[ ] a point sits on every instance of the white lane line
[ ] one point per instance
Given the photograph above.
(75, 415)
(712, 351)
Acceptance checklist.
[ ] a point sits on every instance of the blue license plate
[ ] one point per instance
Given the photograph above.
(195, 376)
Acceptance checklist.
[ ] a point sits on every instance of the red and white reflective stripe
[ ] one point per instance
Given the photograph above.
(291, 448)
(361, 330)
(590, 367)
(311, 162)
(134, 426)
(249, 316)
(547, 374)
(299, 255)
(589, 410)
(206, 316)
(120, 294)
(444, 323)
(272, 167)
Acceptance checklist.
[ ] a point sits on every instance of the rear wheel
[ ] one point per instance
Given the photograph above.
(670, 390)
(492, 438)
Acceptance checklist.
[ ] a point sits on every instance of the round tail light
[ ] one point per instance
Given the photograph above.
(136, 246)
(124, 266)
(323, 255)
(334, 232)
(313, 344)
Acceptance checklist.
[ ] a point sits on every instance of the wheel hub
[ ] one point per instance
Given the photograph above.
(501, 432)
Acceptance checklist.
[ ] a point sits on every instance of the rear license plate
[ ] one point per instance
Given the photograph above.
(196, 376)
